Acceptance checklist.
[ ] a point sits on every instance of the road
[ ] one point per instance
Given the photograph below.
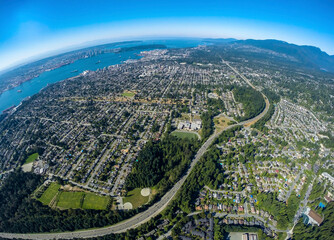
(98, 162)
(225, 191)
(301, 209)
(11, 170)
(293, 185)
(152, 211)
(303, 204)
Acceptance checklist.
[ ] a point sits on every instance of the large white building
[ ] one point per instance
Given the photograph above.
(313, 217)
(327, 176)
(187, 125)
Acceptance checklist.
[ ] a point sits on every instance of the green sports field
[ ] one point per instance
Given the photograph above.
(49, 193)
(128, 94)
(70, 200)
(66, 200)
(31, 158)
(182, 135)
(93, 201)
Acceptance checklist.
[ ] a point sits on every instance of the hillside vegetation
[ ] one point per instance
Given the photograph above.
(162, 162)
(252, 102)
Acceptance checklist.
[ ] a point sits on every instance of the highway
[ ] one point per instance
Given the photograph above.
(152, 211)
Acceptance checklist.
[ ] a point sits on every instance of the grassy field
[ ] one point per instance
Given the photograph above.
(221, 122)
(185, 116)
(70, 200)
(49, 193)
(128, 94)
(188, 135)
(135, 198)
(93, 201)
(31, 158)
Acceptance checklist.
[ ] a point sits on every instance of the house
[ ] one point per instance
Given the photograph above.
(313, 217)
(252, 237)
(198, 233)
(249, 187)
(252, 209)
(328, 197)
(199, 208)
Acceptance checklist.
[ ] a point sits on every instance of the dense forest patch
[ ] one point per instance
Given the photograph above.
(206, 172)
(284, 213)
(252, 102)
(162, 162)
(207, 125)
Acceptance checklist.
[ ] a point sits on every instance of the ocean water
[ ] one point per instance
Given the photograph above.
(15, 95)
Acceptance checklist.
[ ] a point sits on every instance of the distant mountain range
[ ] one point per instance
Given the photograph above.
(308, 56)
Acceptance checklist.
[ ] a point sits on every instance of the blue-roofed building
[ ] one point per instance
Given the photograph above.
(322, 205)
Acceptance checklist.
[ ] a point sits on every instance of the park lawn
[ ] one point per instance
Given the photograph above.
(135, 198)
(49, 193)
(183, 135)
(70, 200)
(31, 158)
(128, 94)
(221, 122)
(93, 201)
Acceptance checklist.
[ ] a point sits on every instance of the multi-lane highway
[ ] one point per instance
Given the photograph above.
(151, 212)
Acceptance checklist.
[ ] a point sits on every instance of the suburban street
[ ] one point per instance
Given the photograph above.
(293, 185)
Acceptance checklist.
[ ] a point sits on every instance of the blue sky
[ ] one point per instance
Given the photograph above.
(31, 28)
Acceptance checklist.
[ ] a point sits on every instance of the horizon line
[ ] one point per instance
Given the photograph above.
(102, 41)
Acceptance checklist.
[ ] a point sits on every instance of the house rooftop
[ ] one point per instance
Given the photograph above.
(315, 216)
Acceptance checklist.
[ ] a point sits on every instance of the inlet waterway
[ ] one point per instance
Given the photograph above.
(15, 95)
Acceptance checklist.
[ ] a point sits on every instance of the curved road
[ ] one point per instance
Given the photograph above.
(151, 212)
